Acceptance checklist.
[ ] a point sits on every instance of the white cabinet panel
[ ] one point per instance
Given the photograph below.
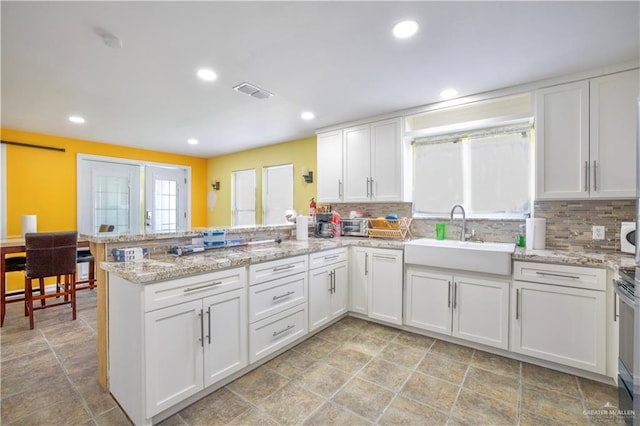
(173, 355)
(386, 161)
(359, 272)
(329, 163)
(385, 286)
(320, 289)
(225, 349)
(357, 163)
(481, 310)
(277, 331)
(560, 324)
(428, 300)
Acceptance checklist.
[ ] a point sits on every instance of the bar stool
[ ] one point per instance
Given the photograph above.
(14, 264)
(50, 254)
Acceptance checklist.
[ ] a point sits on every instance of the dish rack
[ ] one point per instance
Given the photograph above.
(398, 229)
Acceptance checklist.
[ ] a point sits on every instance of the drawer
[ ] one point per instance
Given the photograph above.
(564, 275)
(167, 293)
(277, 331)
(327, 257)
(267, 271)
(275, 296)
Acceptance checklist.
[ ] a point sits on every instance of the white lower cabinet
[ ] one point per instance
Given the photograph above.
(278, 295)
(376, 283)
(562, 317)
(464, 306)
(193, 345)
(328, 288)
(170, 340)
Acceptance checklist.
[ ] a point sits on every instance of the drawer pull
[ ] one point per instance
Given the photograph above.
(289, 293)
(277, 333)
(202, 287)
(283, 268)
(334, 256)
(548, 274)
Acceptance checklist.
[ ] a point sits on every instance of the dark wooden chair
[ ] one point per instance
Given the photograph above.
(50, 254)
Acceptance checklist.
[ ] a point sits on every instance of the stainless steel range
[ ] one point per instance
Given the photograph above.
(629, 346)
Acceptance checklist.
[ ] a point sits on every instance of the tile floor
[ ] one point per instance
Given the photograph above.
(353, 373)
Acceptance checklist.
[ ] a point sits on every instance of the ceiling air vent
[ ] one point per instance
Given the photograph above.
(251, 90)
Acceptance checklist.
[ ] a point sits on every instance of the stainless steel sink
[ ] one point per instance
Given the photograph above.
(491, 258)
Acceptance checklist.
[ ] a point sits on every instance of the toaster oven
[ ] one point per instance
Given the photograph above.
(355, 227)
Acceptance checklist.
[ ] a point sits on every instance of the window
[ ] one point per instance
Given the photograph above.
(277, 193)
(243, 203)
(488, 171)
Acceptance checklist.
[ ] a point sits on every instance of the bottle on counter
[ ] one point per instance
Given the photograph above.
(521, 237)
(312, 208)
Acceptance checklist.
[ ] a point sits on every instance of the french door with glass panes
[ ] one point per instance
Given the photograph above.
(166, 199)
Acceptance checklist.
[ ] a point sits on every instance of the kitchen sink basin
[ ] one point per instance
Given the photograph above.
(491, 258)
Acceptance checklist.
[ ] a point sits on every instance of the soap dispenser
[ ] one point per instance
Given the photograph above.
(521, 237)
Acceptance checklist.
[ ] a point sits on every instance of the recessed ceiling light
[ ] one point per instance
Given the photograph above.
(207, 74)
(405, 29)
(308, 115)
(76, 119)
(448, 93)
(192, 141)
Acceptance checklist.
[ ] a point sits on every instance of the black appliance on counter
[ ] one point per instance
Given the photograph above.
(324, 225)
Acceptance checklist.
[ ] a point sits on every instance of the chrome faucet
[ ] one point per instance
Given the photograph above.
(463, 233)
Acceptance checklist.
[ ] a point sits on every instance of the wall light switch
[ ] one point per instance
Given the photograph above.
(598, 232)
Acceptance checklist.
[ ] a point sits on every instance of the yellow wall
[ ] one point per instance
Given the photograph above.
(301, 153)
(43, 182)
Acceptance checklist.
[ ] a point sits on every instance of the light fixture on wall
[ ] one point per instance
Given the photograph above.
(307, 175)
(215, 185)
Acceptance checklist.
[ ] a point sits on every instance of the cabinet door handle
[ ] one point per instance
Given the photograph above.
(586, 176)
(449, 296)
(367, 187)
(517, 304)
(366, 263)
(455, 295)
(549, 274)
(289, 293)
(202, 287)
(284, 330)
(201, 315)
(615, 307)
(371, 183)
(283, 268)
(209, 318)
(330, 282)
(339, 187)
(595, 176)
(333, 281)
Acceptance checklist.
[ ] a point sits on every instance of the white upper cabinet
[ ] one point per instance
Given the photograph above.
(586, 138)
(329, 175)
(361, 163)
(613, 118)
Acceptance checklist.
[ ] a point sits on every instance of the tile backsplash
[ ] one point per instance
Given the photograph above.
(568, 222)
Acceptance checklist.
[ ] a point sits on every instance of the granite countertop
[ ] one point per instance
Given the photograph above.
(161, 267)
(613, 260)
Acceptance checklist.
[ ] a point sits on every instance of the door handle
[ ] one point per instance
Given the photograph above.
(595, 176)
(517, 304)
(339, 187)
(371, 183)
(367, 187)
(455, 295)
(586, 176)
(366, 263)
(615, 307)
(449, 296)
(209, 318)
(201, 315)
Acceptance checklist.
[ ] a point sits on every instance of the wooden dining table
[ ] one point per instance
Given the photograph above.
(12, 245)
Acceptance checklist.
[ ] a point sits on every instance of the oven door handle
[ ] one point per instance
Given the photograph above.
(623, 294)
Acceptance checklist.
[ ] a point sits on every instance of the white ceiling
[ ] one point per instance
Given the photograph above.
(337, 59)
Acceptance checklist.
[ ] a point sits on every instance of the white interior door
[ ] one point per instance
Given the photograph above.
(243, 203)
(166, 199)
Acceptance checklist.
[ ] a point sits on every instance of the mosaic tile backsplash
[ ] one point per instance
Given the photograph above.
(568, 222)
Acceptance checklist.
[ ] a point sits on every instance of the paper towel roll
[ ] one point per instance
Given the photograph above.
(302, 228)
(29, 223)
(536, 233)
